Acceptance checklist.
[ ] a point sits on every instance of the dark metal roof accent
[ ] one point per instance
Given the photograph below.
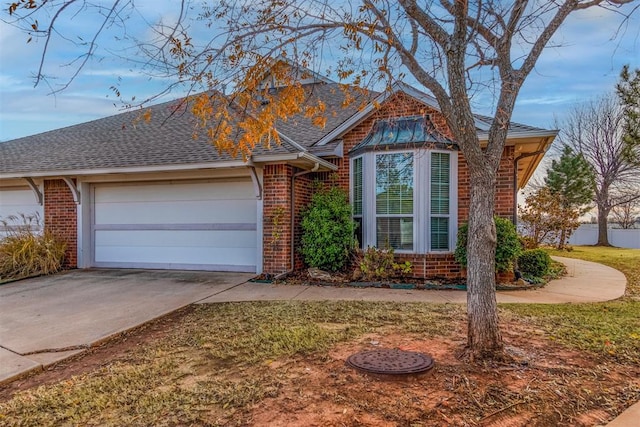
(391, 362)
(413, 131)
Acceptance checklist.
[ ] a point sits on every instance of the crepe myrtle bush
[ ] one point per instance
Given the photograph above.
(508, 246)
(327, 230)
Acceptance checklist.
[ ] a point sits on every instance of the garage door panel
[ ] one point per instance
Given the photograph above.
(210, 211)
(141, 255)
(184, 239)
(190, 225)
(224, 190)
(17, 202)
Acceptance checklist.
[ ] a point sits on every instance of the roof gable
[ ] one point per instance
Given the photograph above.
(482, 123)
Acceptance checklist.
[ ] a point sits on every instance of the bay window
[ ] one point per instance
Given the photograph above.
(405, 199)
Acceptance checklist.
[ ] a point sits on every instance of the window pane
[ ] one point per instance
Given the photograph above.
(440, 174)
(439, 234)
(395, 232)
(357, 186)
(394, 184)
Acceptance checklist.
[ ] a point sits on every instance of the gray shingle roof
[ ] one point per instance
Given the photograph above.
(125, 141)
(303, 131)
(118, 141)
(514, 127)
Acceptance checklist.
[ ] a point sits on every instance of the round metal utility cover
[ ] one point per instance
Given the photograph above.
(391, 362)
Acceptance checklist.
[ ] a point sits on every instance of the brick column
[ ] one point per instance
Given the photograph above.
(276, 253)
(60, 217)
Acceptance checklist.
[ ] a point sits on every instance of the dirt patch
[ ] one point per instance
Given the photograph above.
(549, 385)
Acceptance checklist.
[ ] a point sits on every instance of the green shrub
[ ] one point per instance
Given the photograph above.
(327, 230)
(379, 264)
(26, 253)
(508, 245)
(534, 263)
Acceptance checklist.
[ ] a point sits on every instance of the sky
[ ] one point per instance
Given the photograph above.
(586, 64)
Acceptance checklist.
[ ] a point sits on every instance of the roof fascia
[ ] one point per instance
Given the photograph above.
(539, 133)
(308, 158)
(136, 169)
(542, 148)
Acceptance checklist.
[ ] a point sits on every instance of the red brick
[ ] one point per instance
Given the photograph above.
(60, 217)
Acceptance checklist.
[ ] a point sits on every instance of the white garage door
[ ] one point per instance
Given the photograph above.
(18, 201)
(176, 225)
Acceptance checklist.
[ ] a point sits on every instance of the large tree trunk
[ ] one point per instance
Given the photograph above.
(604, 208)
(603, 233)
(483, 335)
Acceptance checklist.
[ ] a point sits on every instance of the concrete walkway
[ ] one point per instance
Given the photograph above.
(585, 282)
(48, 319)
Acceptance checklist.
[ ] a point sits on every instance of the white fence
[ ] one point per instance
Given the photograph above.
(587, 234)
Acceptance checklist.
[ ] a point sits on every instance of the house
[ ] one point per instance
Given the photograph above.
(125, 193)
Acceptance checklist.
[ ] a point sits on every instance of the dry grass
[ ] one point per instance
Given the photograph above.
(24, 252)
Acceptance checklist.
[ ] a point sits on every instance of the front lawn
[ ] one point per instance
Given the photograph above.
(282, 363)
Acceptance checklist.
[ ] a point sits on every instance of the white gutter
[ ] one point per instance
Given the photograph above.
(277, 158)
(134, 169)
(542, 133)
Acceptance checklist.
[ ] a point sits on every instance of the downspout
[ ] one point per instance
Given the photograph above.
(293, 214)
(515, 182)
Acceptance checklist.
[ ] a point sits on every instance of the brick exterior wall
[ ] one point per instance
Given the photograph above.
(303, 193)
(504, 187)
(277, 215)
(276, 251)
(60, 217)
(277, 181)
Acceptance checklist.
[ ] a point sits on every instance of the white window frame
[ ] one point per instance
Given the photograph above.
(421, 198)
(352, 195)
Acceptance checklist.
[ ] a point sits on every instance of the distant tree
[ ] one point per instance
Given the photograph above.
(596, 130)
(571, 180)
(545, 219)
(626, 215)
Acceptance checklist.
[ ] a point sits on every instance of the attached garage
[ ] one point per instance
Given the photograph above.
(186, 225)
(18, 201)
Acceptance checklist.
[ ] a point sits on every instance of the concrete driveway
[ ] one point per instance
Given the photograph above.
(47, 319)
